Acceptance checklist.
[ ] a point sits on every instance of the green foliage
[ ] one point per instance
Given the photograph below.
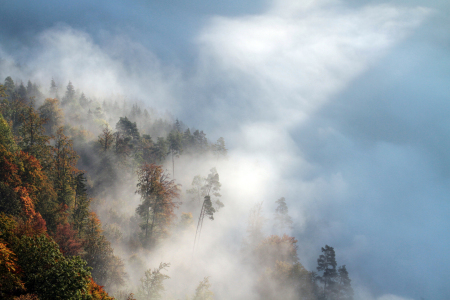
(212, 188)
(160, 150)
(80, 213)
(345, 287)
(22, 92)
(10, 279)
(36, 181)
(52, 114)
(128, 128)
(51, 275)
(33, 138)
(152, 284)
(6, 137)
(326, 263)
(208, 208)
(336, 281)
(107, 269)
(10, 87)
(200, 142)
(64, 170)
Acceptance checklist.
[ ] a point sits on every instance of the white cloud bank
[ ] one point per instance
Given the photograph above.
(267, 74)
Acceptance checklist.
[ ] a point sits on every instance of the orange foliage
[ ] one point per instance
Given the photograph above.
(27, 297)
(95, 223)
(23, 173)
(97, 291)
(33, 178)
(26, 202)
(157, 193)
(9, 271)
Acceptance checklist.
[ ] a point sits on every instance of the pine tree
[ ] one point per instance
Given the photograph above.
(188, 139)
(327, 264)
(36, 93)
(80, 214)
(30, 90)
(69, 96)
(22, 93)
(33, 138)
(344, 282)
(10, 88)
(63, 175)
(52, 114)
(200, 142)
(283, 221)
(128, 128)
(160, 150)
(219, 148)
(53, 89)
(178, 126)
(175, 147)
(83, 100)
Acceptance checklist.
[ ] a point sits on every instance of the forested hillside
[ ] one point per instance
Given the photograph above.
(99, 199)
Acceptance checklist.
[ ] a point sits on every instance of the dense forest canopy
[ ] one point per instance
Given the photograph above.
(90, 200)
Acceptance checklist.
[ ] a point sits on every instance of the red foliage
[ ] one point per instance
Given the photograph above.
(35, 225)
(66, 237)
(22, 172)
(38, 224)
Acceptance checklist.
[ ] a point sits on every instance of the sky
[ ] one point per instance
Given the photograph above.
(343, 105)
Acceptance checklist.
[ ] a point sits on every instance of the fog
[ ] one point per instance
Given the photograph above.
(341, 107)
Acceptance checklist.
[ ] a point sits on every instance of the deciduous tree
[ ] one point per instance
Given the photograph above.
(152, 284)
(157, 201)
(106, 139)
(203, 292)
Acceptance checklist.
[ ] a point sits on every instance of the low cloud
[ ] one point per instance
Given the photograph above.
(273, 85)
